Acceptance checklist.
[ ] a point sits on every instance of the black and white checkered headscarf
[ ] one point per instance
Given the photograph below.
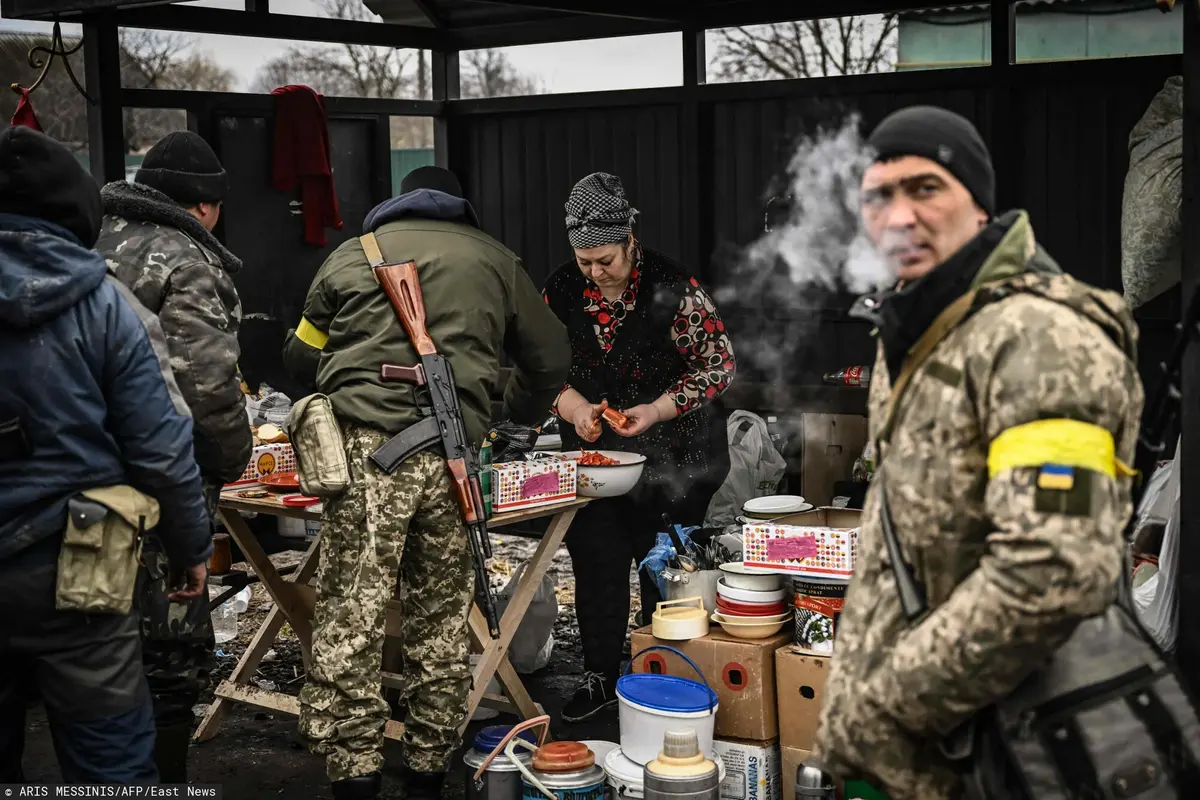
(598, 213)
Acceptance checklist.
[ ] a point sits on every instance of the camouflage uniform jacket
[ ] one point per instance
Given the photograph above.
(181, 273)
(1012, 554)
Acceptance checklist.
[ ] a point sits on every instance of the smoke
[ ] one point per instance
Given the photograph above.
(819, 239)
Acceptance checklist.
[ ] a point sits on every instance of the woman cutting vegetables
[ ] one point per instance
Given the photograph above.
(649, 356)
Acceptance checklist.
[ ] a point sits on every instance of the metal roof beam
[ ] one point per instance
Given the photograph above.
(621, 9)
(280, 26)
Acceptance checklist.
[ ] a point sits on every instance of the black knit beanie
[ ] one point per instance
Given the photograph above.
(944, 137)
(40, 178)
(184, 168)
(437, 179)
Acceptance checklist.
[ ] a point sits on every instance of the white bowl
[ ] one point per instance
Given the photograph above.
(736, 577)
(752, 596)
(773, 505)
(608, 481)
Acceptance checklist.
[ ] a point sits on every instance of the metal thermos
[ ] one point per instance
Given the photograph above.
(681, 771)
(813, 784)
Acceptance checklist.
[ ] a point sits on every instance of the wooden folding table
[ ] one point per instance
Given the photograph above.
(294, 602)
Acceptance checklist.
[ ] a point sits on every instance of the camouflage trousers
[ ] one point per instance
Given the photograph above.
(383, 528)
(177, 640)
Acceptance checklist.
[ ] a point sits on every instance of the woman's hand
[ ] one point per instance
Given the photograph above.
(644, 417)
(586, 419)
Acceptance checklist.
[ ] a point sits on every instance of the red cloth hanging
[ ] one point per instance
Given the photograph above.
(301, 159)
(24, 114)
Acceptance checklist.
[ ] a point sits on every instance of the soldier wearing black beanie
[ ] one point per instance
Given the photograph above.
(944, 137)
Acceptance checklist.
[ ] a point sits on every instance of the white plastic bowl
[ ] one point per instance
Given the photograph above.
(735, 576)
(608, 481)
(774, 505)
(752, 596)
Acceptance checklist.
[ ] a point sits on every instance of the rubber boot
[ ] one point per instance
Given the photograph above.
(171, 752)
(423, 785)
(360, 787)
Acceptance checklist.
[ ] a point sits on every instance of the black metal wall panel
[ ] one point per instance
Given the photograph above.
(1070, 120)
(518, 168)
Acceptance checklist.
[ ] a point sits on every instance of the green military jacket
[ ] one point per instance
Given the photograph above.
(999, 450)
(479, 303)
(184, 276)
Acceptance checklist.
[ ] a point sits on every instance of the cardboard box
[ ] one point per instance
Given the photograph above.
(800, 686)
(740, 671)
(829, 445)
(751, 769)
(267, 459)
(790, 758)
(822, 543)
(518, 485)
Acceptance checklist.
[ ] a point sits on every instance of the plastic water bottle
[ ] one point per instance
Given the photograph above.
(241, 601)
(224, 617)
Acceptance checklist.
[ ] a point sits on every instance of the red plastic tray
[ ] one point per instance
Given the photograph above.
(750, 609)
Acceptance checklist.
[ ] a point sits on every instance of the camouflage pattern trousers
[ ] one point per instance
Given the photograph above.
(405, 524)
(177, 640)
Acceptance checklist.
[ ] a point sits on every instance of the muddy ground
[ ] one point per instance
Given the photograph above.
(258, 754)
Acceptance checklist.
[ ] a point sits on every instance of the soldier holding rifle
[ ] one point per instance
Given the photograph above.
(423, 288)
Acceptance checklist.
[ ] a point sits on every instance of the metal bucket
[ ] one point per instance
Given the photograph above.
(702, 584)
(501, 780)
(552, 772)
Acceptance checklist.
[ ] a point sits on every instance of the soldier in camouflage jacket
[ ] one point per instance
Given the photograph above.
(1004, 405)
(157, 239)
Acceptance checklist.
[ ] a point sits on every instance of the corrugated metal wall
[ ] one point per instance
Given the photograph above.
(1065, 162)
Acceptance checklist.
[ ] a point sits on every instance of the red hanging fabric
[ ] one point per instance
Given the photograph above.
(301, 159)
(24, 114)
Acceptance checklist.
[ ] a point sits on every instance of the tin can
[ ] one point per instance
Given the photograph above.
(485, 475)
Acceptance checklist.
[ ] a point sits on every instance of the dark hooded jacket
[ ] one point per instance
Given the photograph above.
(182, 274)
(85, 377)
(479, 303)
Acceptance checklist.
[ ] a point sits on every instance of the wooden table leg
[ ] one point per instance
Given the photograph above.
(495, 650)
(296, 600)
(259, 645)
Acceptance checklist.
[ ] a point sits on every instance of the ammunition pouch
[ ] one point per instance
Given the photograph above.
(317, 443)
(98, 562)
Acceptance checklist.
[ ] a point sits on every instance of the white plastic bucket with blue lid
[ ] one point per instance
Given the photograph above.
(650, 705)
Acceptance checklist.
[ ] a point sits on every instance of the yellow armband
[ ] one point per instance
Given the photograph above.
(311, 335)
(1057, 447)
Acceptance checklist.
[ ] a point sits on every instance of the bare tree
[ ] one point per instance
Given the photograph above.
(807, 49)
(149, 60)
(489, 73)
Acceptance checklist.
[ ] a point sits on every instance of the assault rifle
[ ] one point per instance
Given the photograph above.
(442, 419)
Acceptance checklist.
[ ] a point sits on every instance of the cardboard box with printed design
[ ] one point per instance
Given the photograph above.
(740, 671)
(751, 769)
(822, 543)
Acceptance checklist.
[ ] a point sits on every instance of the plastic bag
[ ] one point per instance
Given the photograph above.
(533, 642)
(268, 406)
(655, 562)
(755, 469)
(1157, 601)
(1151, 246)
(510, 441)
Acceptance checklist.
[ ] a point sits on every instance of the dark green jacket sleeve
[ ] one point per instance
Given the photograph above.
(303, 346)
(537, 344)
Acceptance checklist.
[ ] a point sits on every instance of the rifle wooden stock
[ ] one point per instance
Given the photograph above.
(403, 288)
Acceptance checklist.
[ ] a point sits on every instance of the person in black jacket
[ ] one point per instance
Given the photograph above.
(88, 404)
(647, 340)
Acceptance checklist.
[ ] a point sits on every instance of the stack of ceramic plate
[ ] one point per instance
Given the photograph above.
(750, 613)
(772, 507)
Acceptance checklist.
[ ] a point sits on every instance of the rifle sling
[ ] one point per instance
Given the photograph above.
(370, 246)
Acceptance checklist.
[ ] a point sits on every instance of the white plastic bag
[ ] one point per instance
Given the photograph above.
(534, 640)
(755, 469)
(1156, 601)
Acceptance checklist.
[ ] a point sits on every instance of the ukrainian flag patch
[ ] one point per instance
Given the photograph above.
(1056, 476)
